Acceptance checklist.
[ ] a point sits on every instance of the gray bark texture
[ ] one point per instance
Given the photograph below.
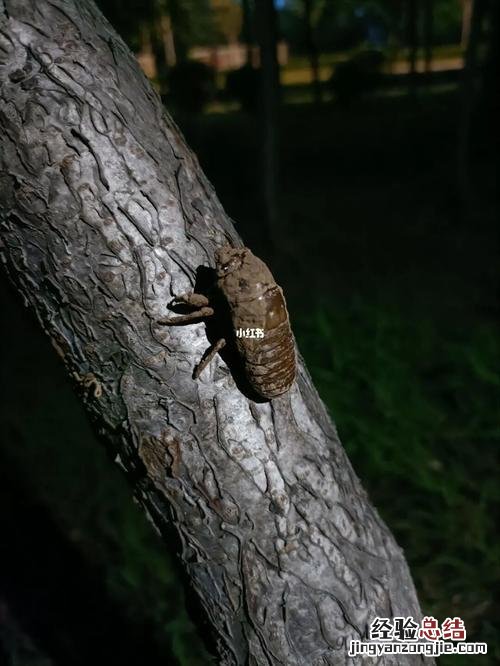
(105, 217)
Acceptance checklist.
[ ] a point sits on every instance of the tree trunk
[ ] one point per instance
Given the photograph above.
(265, 19)
(412, 41)
(428, 36)
(468, 104)
(179, 14)
(247, 32)
(105, 215)
(466, 22)
(158, 47)
(491, 87)
(312, 50)
(168, 40)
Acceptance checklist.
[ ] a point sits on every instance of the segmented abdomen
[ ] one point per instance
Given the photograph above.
(269, 361)
(270, 366)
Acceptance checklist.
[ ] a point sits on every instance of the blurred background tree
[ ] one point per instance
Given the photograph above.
(228, 18)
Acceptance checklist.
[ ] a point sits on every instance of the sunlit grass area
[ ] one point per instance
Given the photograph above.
(297, 70)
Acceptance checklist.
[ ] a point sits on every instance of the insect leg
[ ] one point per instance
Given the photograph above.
(194, 299)
(187, 318)
(208, 356)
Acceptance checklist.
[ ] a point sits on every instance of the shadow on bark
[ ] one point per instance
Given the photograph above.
(220, 326)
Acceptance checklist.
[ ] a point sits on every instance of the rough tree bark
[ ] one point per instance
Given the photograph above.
(105, 216)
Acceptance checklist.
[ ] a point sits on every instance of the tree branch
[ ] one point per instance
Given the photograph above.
(105, 217)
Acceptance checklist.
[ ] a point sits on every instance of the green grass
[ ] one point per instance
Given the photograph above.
(417, 409)
(296, 72)
(330, 59)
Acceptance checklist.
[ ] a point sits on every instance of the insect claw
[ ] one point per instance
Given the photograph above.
(208, 356)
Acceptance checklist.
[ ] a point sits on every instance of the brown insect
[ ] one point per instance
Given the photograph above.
(259, 321)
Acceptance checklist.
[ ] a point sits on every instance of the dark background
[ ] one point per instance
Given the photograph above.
(372, 191)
